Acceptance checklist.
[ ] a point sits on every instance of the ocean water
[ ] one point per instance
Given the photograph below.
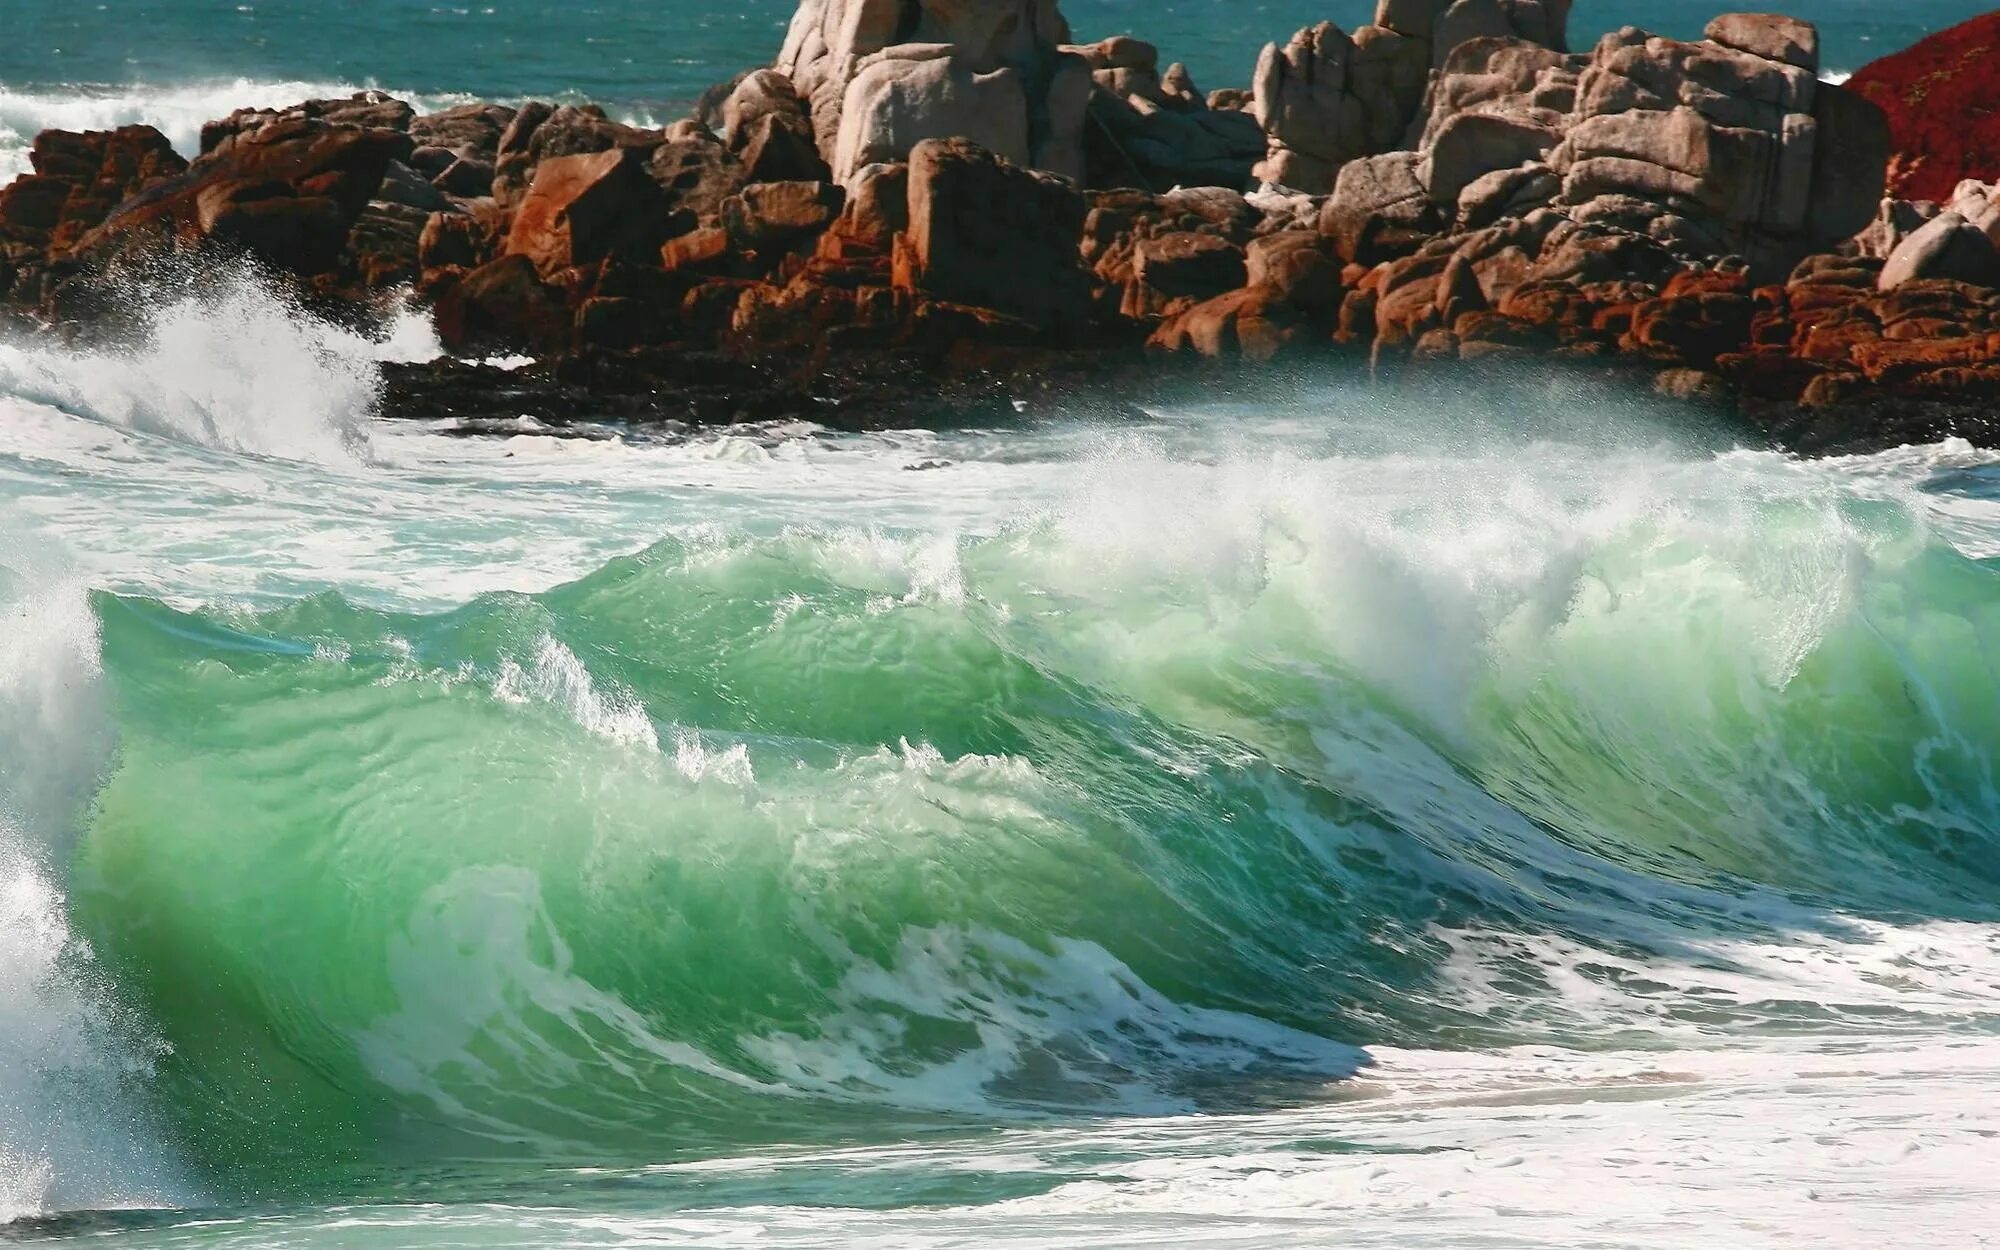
(1310, 815)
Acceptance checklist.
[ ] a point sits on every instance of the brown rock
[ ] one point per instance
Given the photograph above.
(1186, 265)
(456, 240)
(1298, 269)
(503, 304)
(581, 209)
(705, 250)
(990, 235)
(288, 190)
(772, 216)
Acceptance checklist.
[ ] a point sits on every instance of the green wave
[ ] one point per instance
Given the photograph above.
(780, 838)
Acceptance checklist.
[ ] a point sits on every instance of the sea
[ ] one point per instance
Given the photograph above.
(1296, 813)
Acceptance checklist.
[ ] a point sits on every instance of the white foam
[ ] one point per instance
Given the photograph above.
(555, 676)
(228, 362)
(72, 1131)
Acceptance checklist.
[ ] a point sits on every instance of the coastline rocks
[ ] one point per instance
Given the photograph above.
(78, 180)
(771, 216)
(582, 209)
(506, 305)
(1449, 184)
(990, 235)
(1379, 209)
(1708, 148)
(879, 76)
(1948, 247)
(287, 189)
(1323, 99)
(1152, 128)
(912, 92)
(1938, 98)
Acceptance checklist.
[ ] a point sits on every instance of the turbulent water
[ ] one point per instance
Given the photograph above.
(1496, 817)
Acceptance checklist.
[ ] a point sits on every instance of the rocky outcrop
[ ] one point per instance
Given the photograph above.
(879, 76)
(581, 210)
(986, 234)
(1938, 97)
(927, 192)
(286, 188)
(1153, 129)
(1727, 146)
(78, 180)
(1324, 98)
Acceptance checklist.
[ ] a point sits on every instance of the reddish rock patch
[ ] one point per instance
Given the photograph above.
(1942, 98)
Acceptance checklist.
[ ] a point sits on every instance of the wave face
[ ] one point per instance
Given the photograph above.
(1163, 800)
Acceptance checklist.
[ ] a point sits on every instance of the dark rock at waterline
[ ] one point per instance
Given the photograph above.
(683, 386)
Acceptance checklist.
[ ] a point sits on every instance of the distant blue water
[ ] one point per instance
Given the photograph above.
(663, 52)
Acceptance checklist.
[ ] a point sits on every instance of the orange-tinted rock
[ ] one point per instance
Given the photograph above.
(581, 209)
(700, 251)
(287, 190)
(1942, 99)
(504, 303)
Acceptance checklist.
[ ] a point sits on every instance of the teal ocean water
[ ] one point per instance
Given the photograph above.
(666, 51)
(1307, 815)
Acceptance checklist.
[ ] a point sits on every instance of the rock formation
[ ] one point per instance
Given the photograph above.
(879, 76)
(1730, 145)
(1153, 129)
(946, 196)
(1324, 99)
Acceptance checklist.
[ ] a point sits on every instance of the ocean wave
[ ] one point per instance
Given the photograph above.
(75, 1131)
(751, 837)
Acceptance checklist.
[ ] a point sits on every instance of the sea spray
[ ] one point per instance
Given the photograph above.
(76, 1129)
(225, 360)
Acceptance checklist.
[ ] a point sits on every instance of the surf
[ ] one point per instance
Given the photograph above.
(632, 804)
